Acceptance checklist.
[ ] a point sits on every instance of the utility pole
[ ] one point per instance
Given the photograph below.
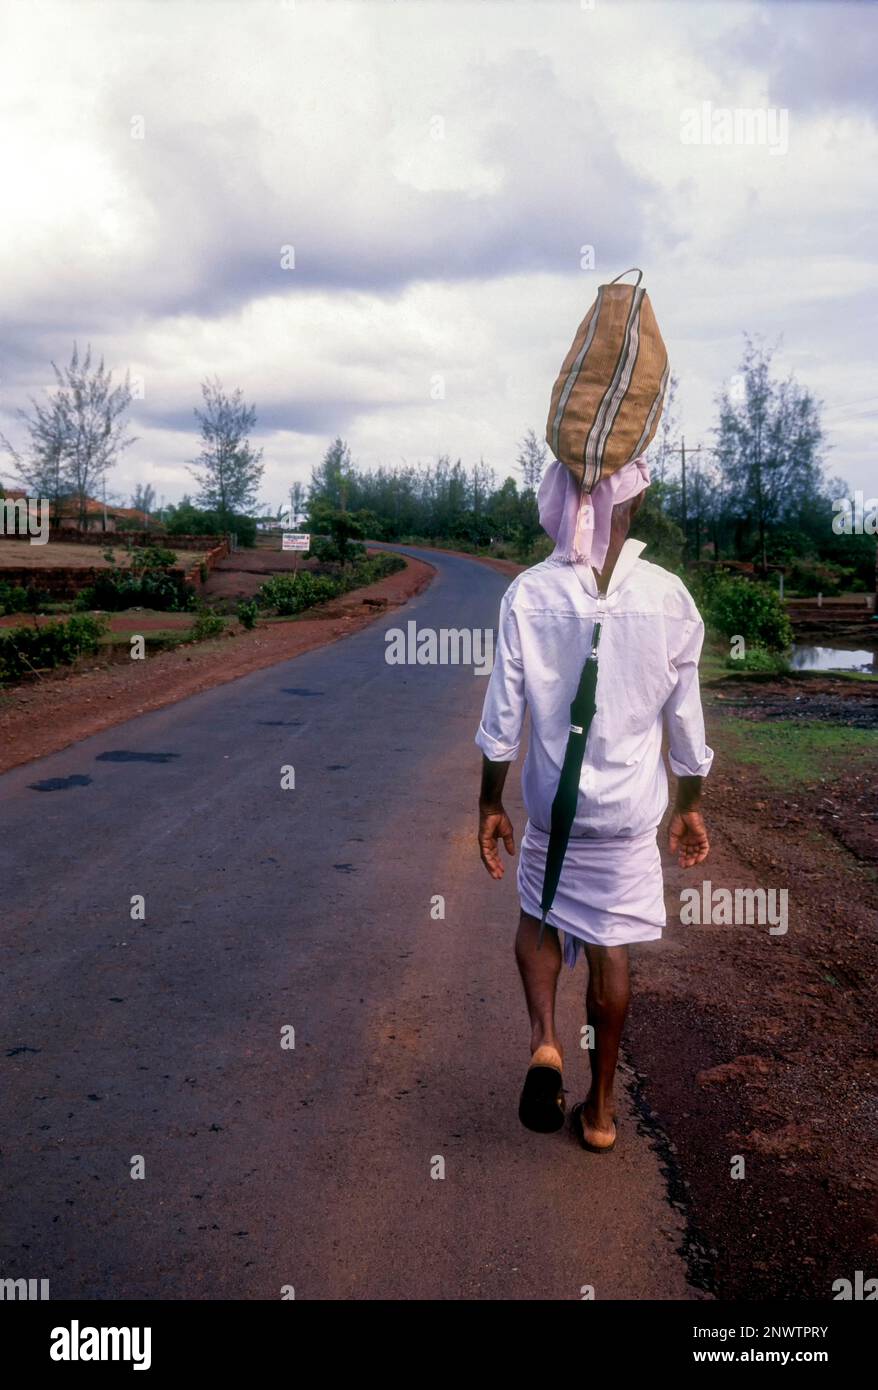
(697, 511)
(683, 495)
(701, 449)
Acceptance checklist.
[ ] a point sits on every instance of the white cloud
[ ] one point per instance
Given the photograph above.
(437, 168)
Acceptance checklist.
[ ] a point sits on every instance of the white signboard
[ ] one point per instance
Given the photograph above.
(296, 540)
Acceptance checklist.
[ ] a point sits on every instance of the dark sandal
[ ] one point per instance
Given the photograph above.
(576, 1122)
(541, 1107)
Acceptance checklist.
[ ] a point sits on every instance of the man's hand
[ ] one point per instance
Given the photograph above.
(494, 825)
(688, 834)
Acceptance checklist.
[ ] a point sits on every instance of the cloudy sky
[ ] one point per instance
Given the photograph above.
(371, 216)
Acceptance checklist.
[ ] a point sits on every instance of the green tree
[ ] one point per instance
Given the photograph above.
(769, 442)
(76, 438)
(342, 526)
(143, 498)
(332, 478)
(531, 459)
(228, 469)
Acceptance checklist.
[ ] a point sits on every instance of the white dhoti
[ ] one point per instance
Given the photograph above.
(610, 893)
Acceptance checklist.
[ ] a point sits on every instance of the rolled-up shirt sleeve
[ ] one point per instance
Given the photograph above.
(688, 753)
(499, 733)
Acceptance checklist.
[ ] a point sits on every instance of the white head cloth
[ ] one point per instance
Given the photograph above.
(580, 525)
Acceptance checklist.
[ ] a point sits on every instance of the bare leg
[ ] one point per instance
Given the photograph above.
(539, 971)
(606, 1009)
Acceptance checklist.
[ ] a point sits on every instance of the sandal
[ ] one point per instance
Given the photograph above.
(541, 1107)
(576, 1123)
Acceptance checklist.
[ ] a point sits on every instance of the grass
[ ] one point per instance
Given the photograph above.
(158, 641)
(712, 666)
(788, 751)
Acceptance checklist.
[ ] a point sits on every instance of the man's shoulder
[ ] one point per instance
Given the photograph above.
(538, 582)
(668, 588)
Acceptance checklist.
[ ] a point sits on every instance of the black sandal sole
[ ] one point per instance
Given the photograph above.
(541, 1107)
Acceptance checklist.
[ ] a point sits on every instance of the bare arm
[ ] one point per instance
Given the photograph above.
(687, 833)
(494, 824)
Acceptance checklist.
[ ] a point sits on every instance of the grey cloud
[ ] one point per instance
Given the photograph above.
(814, 56)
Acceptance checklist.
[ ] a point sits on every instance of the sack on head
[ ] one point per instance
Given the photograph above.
(608, 398)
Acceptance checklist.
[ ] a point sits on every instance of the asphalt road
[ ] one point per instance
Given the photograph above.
(314, 1166)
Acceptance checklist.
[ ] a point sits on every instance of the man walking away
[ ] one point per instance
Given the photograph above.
(610, 892)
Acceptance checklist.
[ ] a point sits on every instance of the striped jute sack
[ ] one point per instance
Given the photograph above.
(608, 398)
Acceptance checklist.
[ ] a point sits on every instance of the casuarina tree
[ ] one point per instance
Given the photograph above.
(76, 438)
(228, 469)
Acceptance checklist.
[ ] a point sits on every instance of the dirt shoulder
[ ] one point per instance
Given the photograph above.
(42, 717)
(755, 1044)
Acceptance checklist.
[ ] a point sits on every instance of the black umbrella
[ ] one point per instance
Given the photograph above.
(582, 712)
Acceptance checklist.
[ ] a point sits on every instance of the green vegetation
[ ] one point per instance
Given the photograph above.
(736, 607)
(288, 594)
(207, 625)
(147, 582)
(343, 529)
(24, 650)
(248, 612)
(188, 520)
(758, 661)
(789, 751)
(228, 468)
(16, 599)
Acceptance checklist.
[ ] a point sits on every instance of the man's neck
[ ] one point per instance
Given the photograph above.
(603, 577)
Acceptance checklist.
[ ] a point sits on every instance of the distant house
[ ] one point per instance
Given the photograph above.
(99, 516)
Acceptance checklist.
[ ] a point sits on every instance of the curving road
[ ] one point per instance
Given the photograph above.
(155, 1045)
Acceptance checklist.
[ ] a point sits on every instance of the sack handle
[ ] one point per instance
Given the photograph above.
(628, 272)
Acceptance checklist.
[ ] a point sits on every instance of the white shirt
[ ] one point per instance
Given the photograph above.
(651, 636)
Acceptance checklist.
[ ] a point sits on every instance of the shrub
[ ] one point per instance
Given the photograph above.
(323, 549)
(13, 598)
(207, 625)
(289, 594)
(23, 649)
(248, 612)
(152, 557)
(16, 599)
(733, 606)
(760, 659)
(808, 577)
(186, 520)
(117, 589)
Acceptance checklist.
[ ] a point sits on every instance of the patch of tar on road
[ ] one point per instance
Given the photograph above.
(281, 723)
(126, 755)
(345, 868)
(337, 767)
(700, 1258)
(60, 784)
(300, 690)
